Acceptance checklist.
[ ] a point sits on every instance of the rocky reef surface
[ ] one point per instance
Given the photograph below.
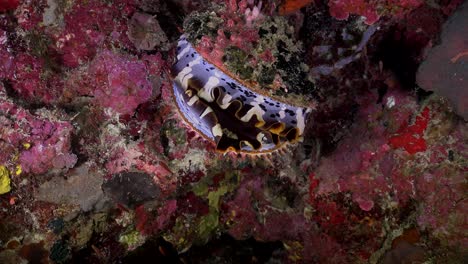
(97, 165)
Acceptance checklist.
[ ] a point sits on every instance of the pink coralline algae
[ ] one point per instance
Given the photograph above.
(411, 138)
(43, 144)
(6, 5)
(247, 214)
(6, 57)
(440, 187)
(115, 81)
(149, 224)
(30, 76)
(368, 164)
(371, 10)
(402, 162)
(29, 15)
(241, 34)
(123, 155)
(33, 82)
(49, 155)
(120, 82)
(125, 158)
(342, 9)
(91, 25)
(87, 105)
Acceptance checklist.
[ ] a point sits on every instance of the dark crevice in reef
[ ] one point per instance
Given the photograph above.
(400, 55)
(224, 249)
(158, 250)
(10, 92)
(422, 94)
(76, 148)
(17, 99)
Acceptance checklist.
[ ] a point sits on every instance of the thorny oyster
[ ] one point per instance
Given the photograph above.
(228, 113)
(237, 108)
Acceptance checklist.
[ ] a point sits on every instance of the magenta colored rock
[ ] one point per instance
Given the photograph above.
(444, 209)
(91, 25)
(364, 166)
(7, 63)
(445, 70)
(29, 14)
(28, 79)
(371, 10)
(364, 204)
(43, 144)
(165, 213)
(342, 9)
(50, 148)
(245, 220)
(7, 5)
(30, 75)
(6, 58)
(120, 82)
(43, 158)
(322, 248)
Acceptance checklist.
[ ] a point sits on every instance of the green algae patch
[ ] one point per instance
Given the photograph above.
(132, 239)
(198, 229)
(209, 223)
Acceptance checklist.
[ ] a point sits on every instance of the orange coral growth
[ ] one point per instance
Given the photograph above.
(290, 6)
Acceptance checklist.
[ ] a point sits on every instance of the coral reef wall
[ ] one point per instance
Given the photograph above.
(97, 165)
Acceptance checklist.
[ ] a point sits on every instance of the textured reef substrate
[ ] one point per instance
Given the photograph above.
(97, 165)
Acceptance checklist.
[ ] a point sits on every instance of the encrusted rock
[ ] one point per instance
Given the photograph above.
(131, 188)
(445, 70)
